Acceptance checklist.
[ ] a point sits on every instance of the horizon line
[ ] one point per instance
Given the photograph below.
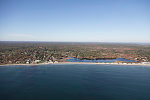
(81, 42)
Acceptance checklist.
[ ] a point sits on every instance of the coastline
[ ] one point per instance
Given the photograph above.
(26, 64)
(78, 63)
(102, 63)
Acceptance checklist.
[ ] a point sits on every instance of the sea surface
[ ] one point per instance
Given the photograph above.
(75, 82)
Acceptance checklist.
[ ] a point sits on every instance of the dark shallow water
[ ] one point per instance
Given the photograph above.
(105, 61)
(75, 82)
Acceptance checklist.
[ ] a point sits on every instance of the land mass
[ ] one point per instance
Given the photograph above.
(58, 52)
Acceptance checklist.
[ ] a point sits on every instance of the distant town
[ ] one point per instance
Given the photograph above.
(54, 52)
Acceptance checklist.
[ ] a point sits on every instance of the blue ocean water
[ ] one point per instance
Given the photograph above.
(75, 82)
(105, 61)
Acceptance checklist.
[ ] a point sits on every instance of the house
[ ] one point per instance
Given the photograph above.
(37, 61)
(55, 61)
(145, 62)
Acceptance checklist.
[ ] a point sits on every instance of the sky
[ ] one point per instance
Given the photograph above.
(75, 20)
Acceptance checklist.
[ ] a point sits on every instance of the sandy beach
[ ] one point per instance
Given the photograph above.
(102, 63)
(78, 63)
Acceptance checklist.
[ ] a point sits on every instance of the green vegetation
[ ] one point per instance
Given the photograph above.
(30, 52)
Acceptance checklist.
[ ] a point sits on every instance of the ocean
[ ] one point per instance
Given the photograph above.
(75, 82)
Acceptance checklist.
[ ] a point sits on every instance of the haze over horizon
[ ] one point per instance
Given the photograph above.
(75, 20)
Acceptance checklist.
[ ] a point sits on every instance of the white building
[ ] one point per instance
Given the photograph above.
(56, 62)
(36, 61)
(145, 62)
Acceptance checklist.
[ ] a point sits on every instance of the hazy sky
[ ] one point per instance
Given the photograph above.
(75, 20)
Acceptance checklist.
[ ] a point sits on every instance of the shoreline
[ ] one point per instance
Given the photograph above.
(77, 63)
(102, 63)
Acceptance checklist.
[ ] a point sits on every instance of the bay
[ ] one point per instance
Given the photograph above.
(75, 82)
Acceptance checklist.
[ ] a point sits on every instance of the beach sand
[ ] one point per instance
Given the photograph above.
(79, 63)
